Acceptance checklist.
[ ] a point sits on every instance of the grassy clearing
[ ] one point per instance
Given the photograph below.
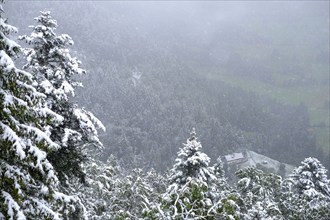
(315, 97)
(294, 54)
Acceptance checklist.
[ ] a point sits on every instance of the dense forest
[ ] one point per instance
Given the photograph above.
(101, 137)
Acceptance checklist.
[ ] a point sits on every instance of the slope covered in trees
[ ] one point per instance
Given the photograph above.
(155, 87)
(50, 168)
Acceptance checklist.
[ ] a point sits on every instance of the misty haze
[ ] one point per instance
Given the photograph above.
(164, 110)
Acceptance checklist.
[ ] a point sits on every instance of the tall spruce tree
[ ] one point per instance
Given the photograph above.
(191, 163)
(259, 192)
(187, 194)
(28, 182)
(219, 187)
(97, 193)
(226, 202)
(306, 193)
(54, 68)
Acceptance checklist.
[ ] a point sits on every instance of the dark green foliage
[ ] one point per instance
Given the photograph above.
(190, 201)
(71, 165)
(230, 207)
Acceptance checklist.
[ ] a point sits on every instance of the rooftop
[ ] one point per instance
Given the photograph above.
(234, 156)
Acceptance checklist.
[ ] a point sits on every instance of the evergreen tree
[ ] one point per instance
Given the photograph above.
(259, 191)
(108, 194)
(218, 187)
(219, 169)
(28, 182)
(55, 69)
(229, 207)
(191, 164)
(188, 202)
(97, 193)
(227, 203)
(135, 195)
(306, 193)
(187, 194)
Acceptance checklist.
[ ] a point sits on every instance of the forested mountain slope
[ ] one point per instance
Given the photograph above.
(152, 81)
(152, 78)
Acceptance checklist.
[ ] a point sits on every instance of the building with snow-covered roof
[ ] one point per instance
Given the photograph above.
(234, 158)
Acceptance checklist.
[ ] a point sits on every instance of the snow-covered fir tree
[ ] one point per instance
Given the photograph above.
(227, 203)
(135, 195)
(28, 182)
(306, 193)
(219, 169)
(218, 187)
(188, 202)
(109, 192)
(97, 191)
(191, 163)
(187, 193)
(259, 191)
(55, 69)
(229, 206)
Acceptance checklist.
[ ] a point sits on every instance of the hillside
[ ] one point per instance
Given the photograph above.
(264, 60)
(253, 76)
(96, 110)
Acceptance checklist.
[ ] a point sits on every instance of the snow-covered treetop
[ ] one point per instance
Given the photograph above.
(54, 68)
(191, 163)
(311, 174)
(45, 20)
(193, 135)
(18, 94)
(261, 184)
(306, 193)
(50, 59)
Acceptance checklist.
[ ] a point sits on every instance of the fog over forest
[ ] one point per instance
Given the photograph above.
(250, 79)
(245, 74)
